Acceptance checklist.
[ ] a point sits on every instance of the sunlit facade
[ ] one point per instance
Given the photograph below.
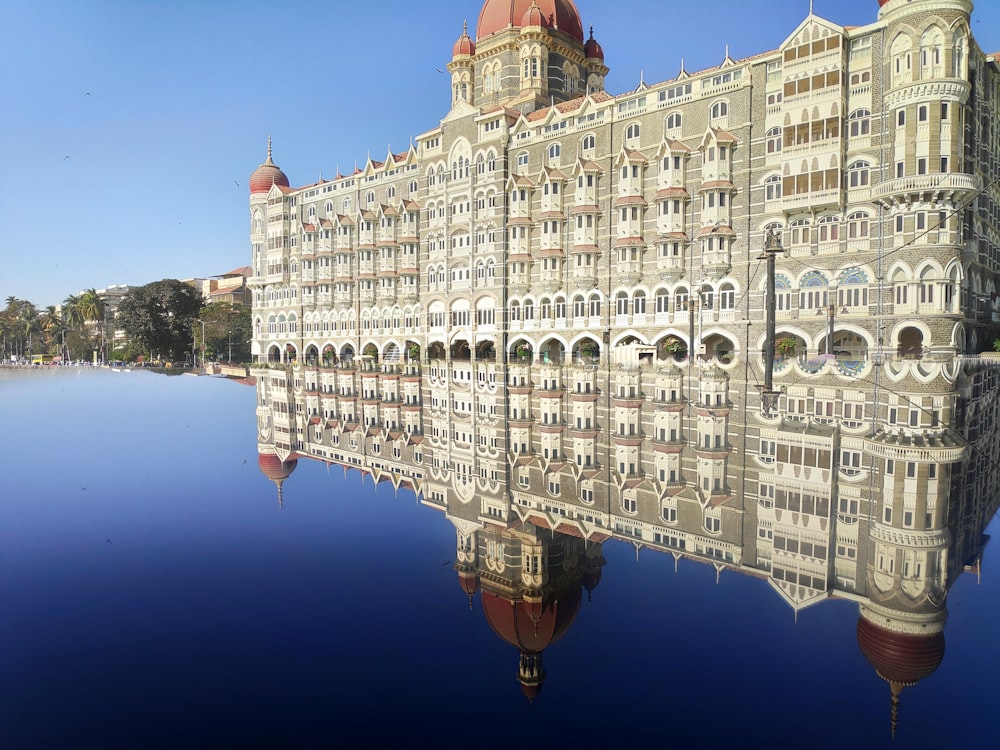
(548, 313)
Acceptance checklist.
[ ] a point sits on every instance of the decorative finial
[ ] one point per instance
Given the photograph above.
(591, 31)
(810, 7)
(465, 27)
(895, 688)
(727, 51)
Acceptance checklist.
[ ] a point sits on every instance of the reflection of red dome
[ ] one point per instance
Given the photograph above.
(900, 657)
(498, 15)
(591, 578)
(267, 174)
(528, 627)
(468, 581)
(274, 468)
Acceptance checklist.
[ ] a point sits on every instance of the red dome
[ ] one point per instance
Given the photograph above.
(592, 49)
(274, 468)
(522, 625)
(464, 45)
(267, 174)
(498, 15)
(900, 657)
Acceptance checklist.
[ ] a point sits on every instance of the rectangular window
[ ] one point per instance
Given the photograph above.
(901, 118)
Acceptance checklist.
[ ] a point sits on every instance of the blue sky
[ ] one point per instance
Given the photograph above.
(163, 110)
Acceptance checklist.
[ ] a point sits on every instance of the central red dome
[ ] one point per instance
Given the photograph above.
(498, 15)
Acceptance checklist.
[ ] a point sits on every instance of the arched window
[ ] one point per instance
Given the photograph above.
(681, 299)
(720, 110)
(828, 228)
(621, 303)
(773, 140)
(772, 188)
(662, 301)
(857, 225)
(639, 303)
(579, 307)
(727, 296)
(673, 121)
(798, 232)
(632, 131)
(544, 309)
(554, 151)
(588, 143)
(859, 174)
(853, 288)
(370, 198)
(813, 291)
(595, 305)
(390, 193)
(522, 159)
(859, 122)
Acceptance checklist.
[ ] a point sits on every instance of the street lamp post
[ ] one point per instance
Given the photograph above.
(768, 396)
(202, 344)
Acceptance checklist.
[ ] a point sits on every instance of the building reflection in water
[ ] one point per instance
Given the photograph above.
(873, 484)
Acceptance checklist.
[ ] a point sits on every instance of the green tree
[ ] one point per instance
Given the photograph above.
(227, 329)
(158, 317)
(72, 313)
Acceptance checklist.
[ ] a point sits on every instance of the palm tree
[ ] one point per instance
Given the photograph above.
(92, 311)
(52, 325)
(29, 323)
(72, 315)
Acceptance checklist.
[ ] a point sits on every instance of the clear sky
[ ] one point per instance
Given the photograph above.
(129, 128)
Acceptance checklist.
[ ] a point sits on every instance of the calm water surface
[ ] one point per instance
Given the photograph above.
(154, 594)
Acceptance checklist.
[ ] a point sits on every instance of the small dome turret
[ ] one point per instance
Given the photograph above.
(533, 17)
(464, 45)
(592, 49)
(267, 174)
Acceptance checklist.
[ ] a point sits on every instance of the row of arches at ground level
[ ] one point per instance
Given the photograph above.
(849, 342)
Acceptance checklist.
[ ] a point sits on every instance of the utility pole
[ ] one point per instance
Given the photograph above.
(768, 396)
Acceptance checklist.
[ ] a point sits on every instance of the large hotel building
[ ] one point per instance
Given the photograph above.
(548, 314)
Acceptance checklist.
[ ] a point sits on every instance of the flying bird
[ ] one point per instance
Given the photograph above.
(87, 94)
(439, 71)
(67, 158)
(236, 183)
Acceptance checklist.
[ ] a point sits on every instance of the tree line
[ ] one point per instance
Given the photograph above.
(165, 320)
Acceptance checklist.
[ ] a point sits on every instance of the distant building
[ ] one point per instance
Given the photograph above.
(230, 287)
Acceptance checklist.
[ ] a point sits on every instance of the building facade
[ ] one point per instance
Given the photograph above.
(549, 312)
